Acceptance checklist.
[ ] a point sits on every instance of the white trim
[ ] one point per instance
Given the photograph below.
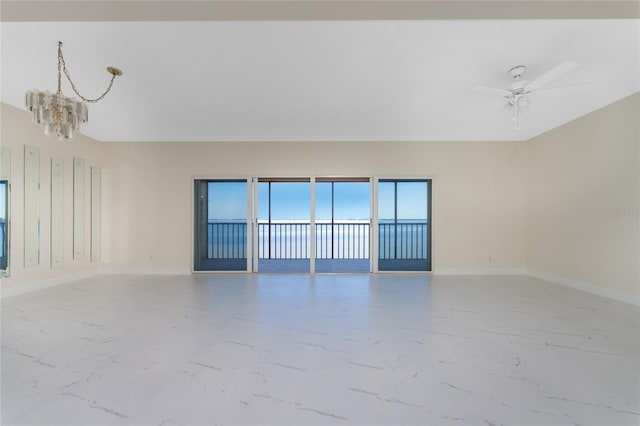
(620, 296)
(147, 271)
(255, 242)
(430, 227)
(312, 225)
(617, 295)
(480, 271)
(29, 287)
(373, 226)
(250, 226)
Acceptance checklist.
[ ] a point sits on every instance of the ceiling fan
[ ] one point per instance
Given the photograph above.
(520, 91)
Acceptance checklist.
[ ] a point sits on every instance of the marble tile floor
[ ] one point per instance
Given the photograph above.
(318, 350)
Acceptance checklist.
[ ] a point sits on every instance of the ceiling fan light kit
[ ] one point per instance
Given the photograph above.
(57, 113)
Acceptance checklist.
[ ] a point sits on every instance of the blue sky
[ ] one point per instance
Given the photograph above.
(291, 200)
(351, 201)
(227, 200)
(412, 200)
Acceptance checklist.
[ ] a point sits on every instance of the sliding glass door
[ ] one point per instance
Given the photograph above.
(4, 226)
(284, 225)
(221, 240)
(404, 225)
(268, 225)
(343, 217)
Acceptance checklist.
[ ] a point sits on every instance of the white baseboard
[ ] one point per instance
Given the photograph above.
(480, 271)
(146, 271)
(19, 289)
(28, 287)
(617, 295)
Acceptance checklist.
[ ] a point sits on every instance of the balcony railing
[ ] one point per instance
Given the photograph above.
(227, 240)
(3, 244)
(283, 240)
(403, 240)
(340, 240)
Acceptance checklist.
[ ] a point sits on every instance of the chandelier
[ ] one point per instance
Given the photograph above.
(57, 113)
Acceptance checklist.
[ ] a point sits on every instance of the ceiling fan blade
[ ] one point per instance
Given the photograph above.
(552, 74)
(506, 109)
(492, 90)
(482, 108)
(562, 90)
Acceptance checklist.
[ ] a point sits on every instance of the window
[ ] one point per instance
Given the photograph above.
(343, 217)
(267, 225)
(404, 225)
(284, 207)
(4, 226)
(221, 226)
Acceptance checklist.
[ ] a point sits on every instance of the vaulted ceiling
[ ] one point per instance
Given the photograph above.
(273, 71)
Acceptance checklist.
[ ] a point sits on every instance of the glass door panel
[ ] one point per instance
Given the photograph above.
(221, 236)
(342, 225)
(284, 225)
(4, 226)
(404, 226)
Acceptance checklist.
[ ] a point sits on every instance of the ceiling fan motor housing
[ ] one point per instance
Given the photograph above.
(517, 71)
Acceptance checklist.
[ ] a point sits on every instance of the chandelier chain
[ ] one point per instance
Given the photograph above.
(63, 66)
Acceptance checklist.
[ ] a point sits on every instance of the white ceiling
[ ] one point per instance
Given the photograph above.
(320, 80)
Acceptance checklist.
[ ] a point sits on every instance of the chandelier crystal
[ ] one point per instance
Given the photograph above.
(57, 113)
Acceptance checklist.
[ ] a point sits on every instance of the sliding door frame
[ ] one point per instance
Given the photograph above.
(250, 250)
(355, 178)
(430, 179)
(252, 218)
(254, 215)
(373, 229)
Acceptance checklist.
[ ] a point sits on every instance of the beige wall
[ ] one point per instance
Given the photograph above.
(563, 204)
(479, 201)
(17, 131)
(478, 192)
(583, 204)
